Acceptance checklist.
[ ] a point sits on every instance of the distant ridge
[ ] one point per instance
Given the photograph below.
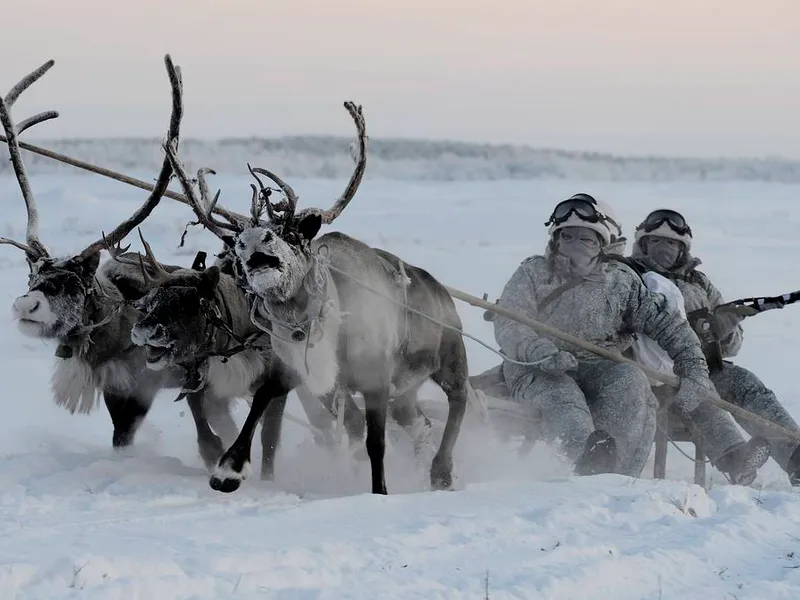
(327, 157)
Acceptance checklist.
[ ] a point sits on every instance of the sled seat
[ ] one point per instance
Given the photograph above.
(509, 420)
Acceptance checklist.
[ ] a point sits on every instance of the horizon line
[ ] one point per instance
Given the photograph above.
(602, 154)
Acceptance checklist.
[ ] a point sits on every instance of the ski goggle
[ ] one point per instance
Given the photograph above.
(672, 218)
(585, 207)
(590, 241)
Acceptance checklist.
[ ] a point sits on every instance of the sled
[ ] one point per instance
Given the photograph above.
(509, 421)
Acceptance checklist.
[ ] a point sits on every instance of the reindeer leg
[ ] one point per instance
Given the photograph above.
(318, 416)
(377, 406)
(271, 424)
(208, 444)
(221, 419)
(127, 413)
(234, 466)
(354, 421)
(452, 377)
(407, 412)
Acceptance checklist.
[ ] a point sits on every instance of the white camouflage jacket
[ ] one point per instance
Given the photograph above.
(606, 307)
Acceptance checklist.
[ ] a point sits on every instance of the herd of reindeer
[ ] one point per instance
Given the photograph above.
(280, 310)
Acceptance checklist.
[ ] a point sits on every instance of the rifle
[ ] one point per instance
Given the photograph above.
(702, 321)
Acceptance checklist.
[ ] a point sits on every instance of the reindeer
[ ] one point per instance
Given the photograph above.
(339, 313)
(198, 320)
(73, 302)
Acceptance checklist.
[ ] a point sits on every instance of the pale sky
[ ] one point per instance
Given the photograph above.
(668, 77)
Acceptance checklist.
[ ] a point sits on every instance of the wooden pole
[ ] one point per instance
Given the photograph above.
(143, 185)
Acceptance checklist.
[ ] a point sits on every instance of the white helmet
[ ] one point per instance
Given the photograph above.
(665, 223)
(582, 210)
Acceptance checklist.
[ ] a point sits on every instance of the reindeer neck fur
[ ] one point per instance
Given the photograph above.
(240, 374)
(314, 310)
(93, 360)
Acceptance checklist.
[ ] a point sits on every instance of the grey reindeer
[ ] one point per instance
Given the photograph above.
(76, 303)
(199, 320)
(335, 309)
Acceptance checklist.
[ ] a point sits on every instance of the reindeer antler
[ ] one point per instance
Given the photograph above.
(361, 163)
(203, 206)
(162, 183)
(289, 206)
(34, 249)
(159, 272)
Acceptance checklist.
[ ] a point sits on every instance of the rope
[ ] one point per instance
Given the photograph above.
(433, 319)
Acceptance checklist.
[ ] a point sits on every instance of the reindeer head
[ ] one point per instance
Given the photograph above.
(55, 305)
(177, 322)
(56, 299)
(273, 256)
(274, 260)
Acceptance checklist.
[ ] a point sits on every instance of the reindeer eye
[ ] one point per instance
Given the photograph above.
(266, 237)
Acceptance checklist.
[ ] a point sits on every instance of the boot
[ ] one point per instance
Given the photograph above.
(599, 456)
(742, 462)
(793, 468)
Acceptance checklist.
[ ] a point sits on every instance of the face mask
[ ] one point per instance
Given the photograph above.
(663, 252)
(580, 245)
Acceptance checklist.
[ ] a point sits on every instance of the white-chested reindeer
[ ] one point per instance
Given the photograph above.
(328, 325)
(74, 303)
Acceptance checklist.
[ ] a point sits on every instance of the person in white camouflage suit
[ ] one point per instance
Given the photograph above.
(602, 412)
(663, 244)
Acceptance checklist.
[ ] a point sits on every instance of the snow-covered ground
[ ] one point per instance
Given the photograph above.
(79, 521)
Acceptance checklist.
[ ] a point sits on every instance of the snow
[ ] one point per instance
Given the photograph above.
(80, 521)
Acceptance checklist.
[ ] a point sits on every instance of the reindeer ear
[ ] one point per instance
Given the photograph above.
(87, 267)
(209, 279)
(309, 225)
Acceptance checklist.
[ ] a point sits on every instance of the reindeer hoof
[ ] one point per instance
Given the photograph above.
(441, 477)
(441, 483)
(122, 440)
(226, 478)
(226, 486)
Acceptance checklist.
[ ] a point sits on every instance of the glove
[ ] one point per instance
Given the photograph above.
(560, 362)
(692, 392)
(552, 359)
(724, 322)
